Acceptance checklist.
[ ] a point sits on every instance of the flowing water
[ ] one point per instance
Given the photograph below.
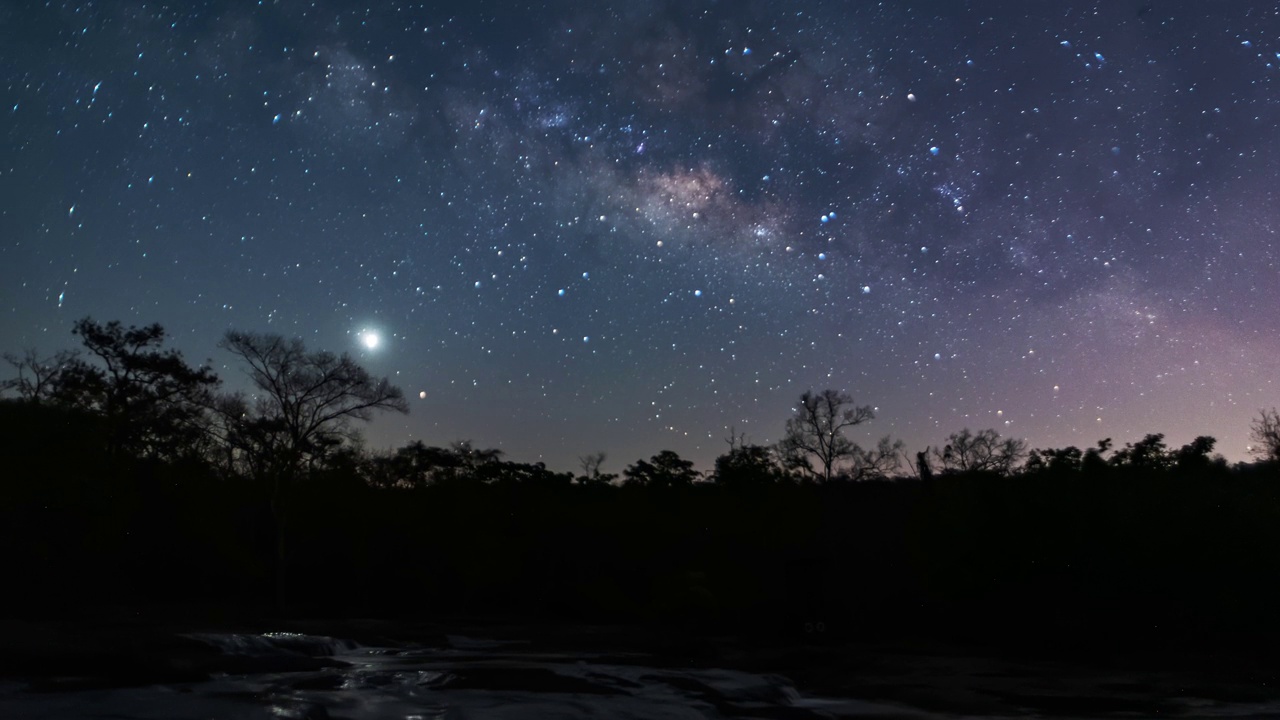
(469, 678)
(293, 676)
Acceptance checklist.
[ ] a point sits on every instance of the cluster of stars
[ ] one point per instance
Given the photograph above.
(624, 227)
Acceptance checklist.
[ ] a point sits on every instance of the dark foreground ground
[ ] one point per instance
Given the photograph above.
(111, 649)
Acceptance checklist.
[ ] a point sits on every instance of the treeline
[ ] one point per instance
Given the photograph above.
(130, 480)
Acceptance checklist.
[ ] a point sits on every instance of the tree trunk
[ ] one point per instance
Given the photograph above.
(280, 566)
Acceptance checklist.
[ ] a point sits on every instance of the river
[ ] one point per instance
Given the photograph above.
(300, 676)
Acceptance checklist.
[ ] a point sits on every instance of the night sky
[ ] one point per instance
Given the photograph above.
(630, 226)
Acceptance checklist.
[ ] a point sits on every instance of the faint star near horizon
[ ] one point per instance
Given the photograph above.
(629, 227)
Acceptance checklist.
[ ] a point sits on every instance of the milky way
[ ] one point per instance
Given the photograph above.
(625, 226)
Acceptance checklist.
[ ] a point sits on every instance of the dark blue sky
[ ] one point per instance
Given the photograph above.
(630, 226)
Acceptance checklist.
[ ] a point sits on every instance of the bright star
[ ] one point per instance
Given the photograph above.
(370, 339)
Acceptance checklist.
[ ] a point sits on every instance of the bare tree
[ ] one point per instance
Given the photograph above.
(1265, 434)
(815, 433)
(984, 451)
(37, 378)
(245, 442)
(736, 440)
(305, 404)
(590, 464)
(304, 408)
(877, 463)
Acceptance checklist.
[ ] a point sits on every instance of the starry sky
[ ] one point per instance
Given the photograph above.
(564, 227)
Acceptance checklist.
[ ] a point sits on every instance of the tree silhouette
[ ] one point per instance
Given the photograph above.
(666, 469)
(1067, 459)
(1149, 453)
(305, 404)
(815, 433)
(37, 379)
(414, 466)
(153, 403)
(1265, 435)
(877, 463)
(473, 457)
(590, 464)
(1197, 454)
(747, 466)
(1094, 460)
(984, 451)
(924, 471)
